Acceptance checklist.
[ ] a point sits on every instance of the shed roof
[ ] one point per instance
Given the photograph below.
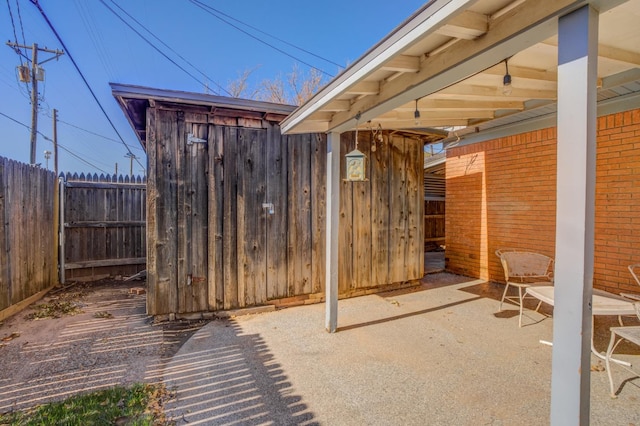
(134, 101)
(450, 57)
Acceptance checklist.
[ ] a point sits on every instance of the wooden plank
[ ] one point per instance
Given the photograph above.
(277, 224)
(182, 161)
(152, 212)
(166, 213)
(398, 209)
(230, 223)
(19, 306)
(414, 256)
(318, 211)
(199, 218)
(300, 215)
(362, 219)
(105, 262)
(345, 250)
(110, 224)
(5, 252)
(241, 217)
(380, 212)
(252, 217)
(216, 214)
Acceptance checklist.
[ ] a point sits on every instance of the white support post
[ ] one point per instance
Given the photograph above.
(332, 227)
(576, 162)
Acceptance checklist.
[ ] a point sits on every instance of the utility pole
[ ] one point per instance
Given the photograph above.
(33, 75)
(55, 141)
(131, 157)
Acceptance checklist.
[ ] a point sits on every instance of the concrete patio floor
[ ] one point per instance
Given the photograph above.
(440, 354)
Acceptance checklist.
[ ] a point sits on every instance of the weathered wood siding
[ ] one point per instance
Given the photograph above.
(381, 219)
(28, 261)
(214, 245)
(104, 225)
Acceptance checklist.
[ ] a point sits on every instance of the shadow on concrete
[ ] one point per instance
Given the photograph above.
(226, 377)
(407, 315)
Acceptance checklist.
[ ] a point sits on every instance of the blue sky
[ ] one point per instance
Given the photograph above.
(108, 51)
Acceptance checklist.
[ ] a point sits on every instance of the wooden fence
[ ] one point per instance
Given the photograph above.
(434, 224)
(104, 221)
(28, 255)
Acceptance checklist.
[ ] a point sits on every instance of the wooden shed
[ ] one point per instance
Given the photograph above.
(236, 210)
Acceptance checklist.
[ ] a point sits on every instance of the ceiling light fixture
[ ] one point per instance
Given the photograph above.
(507, 88)
(416, 115)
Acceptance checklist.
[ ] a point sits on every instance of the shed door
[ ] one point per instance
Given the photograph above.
(248, 217)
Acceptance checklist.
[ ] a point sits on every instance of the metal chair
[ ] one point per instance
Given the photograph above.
(524, 269)
(635, 271)
(618, 334)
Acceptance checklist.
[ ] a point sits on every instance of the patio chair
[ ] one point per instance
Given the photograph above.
(524, 269)
(635, 271)
(618, 334)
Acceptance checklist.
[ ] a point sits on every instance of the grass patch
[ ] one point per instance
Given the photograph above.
(138, 405)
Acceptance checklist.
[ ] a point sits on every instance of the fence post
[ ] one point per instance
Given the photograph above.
(61, 230)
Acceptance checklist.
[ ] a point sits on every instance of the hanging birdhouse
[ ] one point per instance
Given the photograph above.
(355, 162)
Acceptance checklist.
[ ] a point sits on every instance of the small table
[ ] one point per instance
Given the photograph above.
(602, 303)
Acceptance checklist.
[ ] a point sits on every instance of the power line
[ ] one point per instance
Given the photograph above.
(276, 38)
(152, 45)
(46, 18)
(45, 137)
(168, 47)
(207, 8)
(15, 34)
(95, 134)
(20, 20)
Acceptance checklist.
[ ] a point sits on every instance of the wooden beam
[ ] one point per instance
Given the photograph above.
(14, 309)
(403, 63)
(435, 115)
(608, 52)
(321, 116)
(467, 25)
(365, 88)
(106, 262)
(530, 23)
(496, 91)
(428, 104)
(337, 105)
(523, 72)
(424, 122)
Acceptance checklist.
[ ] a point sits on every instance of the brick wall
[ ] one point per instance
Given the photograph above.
(501, 193)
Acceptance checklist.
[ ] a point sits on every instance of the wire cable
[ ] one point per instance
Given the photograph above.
(15, 34)
(276, 38)
(152, 45)
(45, 137)
(207, 8)
(169, 47)
(46, 18)
(24, 41)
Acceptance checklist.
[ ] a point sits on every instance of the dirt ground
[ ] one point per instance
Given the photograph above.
(84, 337)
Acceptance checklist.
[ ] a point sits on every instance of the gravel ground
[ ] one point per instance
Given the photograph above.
(107, 341)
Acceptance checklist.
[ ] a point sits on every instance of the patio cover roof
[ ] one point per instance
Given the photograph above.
(449, 60)
(450, 55)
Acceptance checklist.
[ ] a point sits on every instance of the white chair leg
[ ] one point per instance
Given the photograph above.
(607, 360)
(504, 294)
